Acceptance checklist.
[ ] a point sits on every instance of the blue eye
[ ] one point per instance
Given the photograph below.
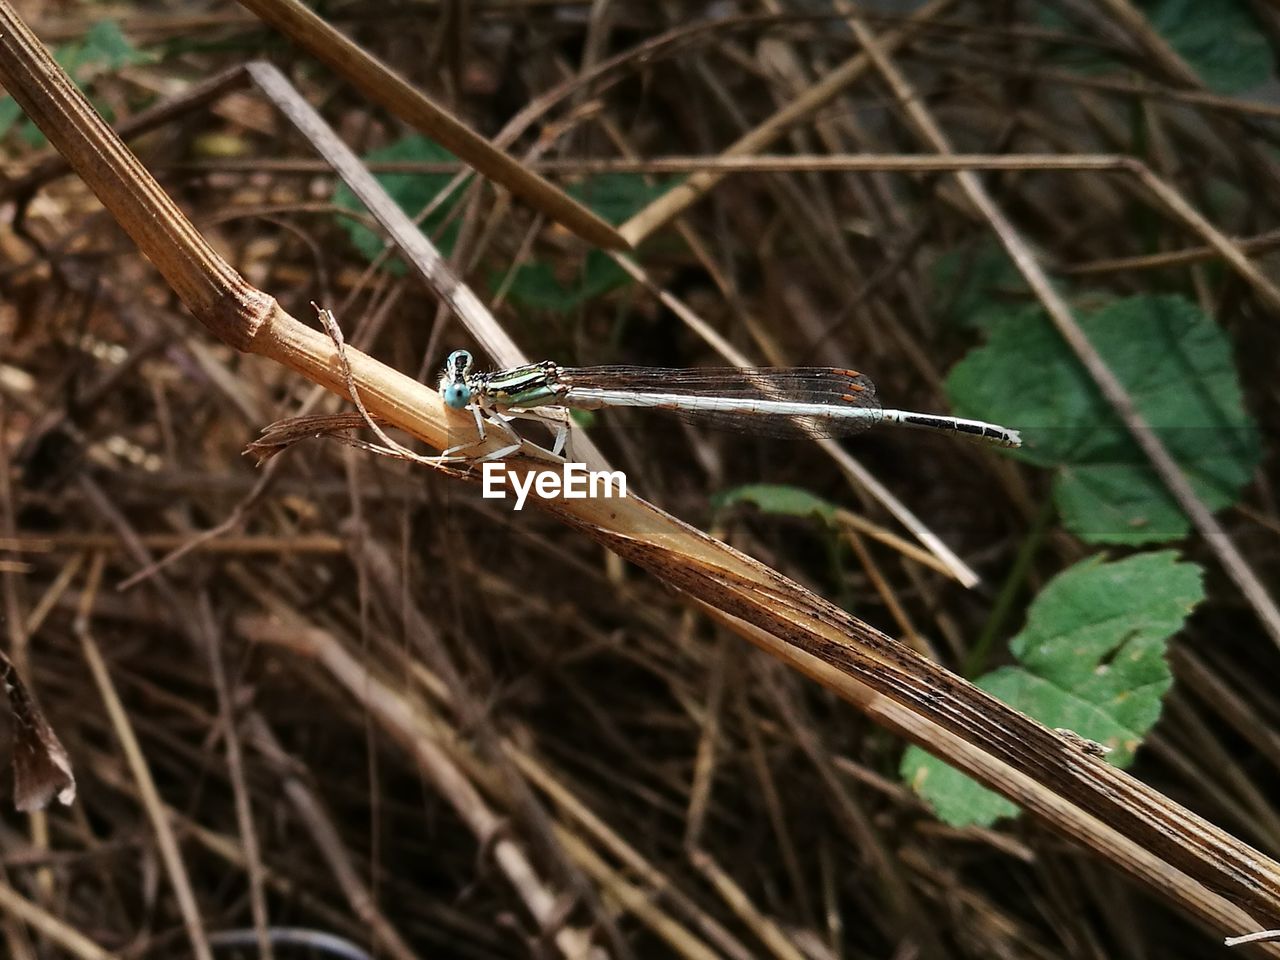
(456, 395)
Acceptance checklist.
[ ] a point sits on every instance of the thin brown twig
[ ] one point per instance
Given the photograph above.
(166, 842)
(1233, 251)
(585, 821)
(1254, 246)
(473, 716)
(268, 544)
(400, 720)
(324, 833)
(196, 96)
(208, 626)
(382, 85)
(767, 931)
(1136, 88)
(59, 932)
(673, 202)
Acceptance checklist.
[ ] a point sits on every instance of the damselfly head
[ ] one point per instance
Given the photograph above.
(454, 388)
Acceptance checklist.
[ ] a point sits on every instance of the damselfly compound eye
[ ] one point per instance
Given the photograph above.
(456, 395)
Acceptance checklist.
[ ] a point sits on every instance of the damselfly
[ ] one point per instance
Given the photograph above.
(772, 401)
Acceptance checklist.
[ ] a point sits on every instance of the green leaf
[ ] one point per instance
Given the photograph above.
(105, 46)
(102, 48)
(777, 499)
(73, 58)
(1176, 364)
(615, 197)
(956, 799)
(10, 112)
(974, 282)
(618, 196)
(411, 191)
(1220, 39)
(1091, 661)
(32, 135)
(536, 286)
